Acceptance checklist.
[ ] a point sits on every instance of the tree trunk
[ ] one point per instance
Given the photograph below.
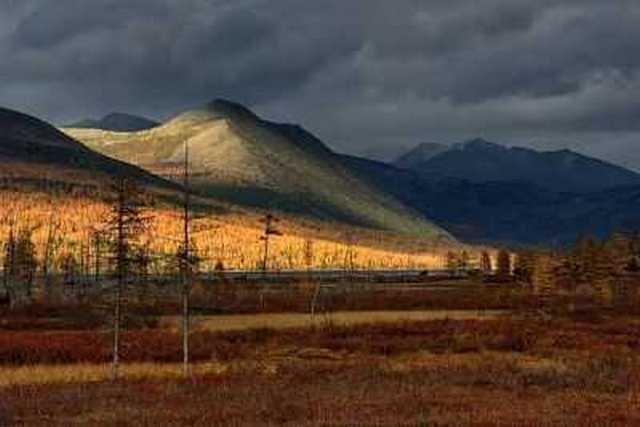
(185, 330)
(116, 331)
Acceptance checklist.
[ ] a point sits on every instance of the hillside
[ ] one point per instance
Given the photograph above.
(117, 122)
(33, 151)
(247, 161)
(513, 212)
(480, 161)
(54, 186)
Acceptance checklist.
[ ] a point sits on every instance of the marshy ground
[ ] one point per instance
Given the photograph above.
(495, 364)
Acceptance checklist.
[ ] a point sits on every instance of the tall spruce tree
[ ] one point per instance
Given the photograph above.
(125, 223)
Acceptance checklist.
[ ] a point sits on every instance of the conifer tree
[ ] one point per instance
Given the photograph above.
(20, 264)
(125, 224)
(503, 266)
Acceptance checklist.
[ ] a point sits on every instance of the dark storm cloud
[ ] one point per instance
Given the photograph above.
(360, 73)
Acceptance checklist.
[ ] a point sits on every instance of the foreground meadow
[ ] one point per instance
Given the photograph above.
(510, 367)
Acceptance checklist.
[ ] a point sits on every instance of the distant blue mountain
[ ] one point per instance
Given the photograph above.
(117, 122)
(480, 161)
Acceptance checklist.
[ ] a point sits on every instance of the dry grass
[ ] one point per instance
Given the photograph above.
(470, 389)
(503, 370)
(298, 320)
(83, 373)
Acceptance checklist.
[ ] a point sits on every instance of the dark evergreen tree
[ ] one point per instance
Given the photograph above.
(125, 224)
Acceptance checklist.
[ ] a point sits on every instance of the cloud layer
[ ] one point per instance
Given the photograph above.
(362, 74)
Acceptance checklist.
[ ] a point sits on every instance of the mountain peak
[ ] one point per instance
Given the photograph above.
(216, 110)
(115, 115)
(480, 144)
(419, 154)
(230, 109)
(117, 122)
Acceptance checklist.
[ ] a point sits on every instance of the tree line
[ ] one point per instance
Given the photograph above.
(606, 270)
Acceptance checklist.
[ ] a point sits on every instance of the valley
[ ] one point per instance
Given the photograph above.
(303, 267)
(319, 214)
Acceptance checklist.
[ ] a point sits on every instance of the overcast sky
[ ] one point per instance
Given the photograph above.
(363, 75)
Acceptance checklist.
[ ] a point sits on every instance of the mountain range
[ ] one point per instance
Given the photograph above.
(244, 160)
(480, 161)
(240, 159)
(507, 212)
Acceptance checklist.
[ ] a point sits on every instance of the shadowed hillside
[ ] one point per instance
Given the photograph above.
(32, 150)
(240, 158)
(54, 185)
(515, 212)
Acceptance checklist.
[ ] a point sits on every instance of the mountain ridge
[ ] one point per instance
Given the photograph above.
(117, 122)
(33, 150)
(246, 160)
(482, 161)
(420, 153)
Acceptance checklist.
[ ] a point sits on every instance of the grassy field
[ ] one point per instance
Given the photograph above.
(299, 320)
(416, 367)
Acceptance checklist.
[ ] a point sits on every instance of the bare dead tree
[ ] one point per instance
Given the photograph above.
(187, 262)
(308, 260)
(349, 263)
(52, 244)
(269, 230)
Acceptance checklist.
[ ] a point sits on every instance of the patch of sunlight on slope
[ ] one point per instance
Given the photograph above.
(238, 157)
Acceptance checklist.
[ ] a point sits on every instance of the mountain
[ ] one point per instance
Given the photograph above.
(35, 152)
(382, 153)
(240, 158)
(117, 122)
(420, 154)
(480, 161)
(512, 212)
(244, 160)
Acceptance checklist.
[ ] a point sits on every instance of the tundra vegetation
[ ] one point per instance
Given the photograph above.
(105, 321)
